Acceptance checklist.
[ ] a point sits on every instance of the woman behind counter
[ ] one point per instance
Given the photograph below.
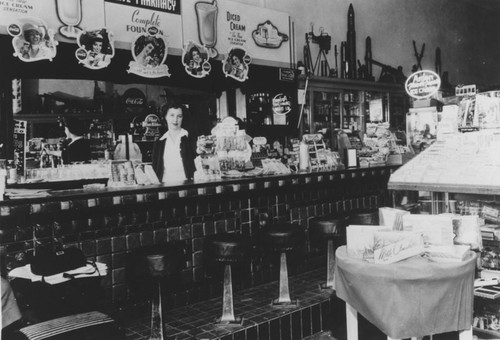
(173, 154)
(78, 148)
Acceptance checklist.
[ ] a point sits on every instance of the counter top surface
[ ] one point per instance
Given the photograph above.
(213, 186)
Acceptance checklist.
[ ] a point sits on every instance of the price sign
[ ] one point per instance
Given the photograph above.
(287, 74)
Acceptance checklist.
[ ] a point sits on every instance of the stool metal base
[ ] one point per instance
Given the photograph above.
(286, 304)
(156, 318)
(237, 322)
(284, 292)
(330, 268)
(228, 318)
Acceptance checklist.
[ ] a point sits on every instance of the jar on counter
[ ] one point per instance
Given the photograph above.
(11, 172)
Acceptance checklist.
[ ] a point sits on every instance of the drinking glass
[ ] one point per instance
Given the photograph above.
(206, 13)
(70, 14)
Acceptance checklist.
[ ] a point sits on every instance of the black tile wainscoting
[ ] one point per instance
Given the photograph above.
(111, 224)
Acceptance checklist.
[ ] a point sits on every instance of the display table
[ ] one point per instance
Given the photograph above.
(410, 298)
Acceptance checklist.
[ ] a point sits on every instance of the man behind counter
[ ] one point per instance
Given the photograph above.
(77, 147)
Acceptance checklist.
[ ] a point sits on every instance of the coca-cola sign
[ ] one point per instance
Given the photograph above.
(134, 98)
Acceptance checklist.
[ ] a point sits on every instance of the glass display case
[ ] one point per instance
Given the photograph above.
(331, 104)
(460, 174)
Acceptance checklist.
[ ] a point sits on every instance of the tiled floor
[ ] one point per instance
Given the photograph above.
(318, 313)
(196, 321)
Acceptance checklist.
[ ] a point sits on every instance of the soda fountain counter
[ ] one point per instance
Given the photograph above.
(110, 222)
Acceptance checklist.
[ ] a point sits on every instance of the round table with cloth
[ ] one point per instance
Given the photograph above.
(411, 298)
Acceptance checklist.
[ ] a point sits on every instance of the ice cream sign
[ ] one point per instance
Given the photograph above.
(422, 84)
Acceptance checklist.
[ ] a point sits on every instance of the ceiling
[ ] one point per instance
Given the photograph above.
(491, 5)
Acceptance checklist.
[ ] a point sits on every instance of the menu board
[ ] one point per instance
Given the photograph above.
(468, 163)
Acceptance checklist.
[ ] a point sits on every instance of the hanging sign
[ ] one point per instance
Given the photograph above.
(167, 6)
(422, 84)
(220, 25)
(149, 51)
(32, 40)
(96, 48)
(236, 64)
(195, 60)
(137, 16)
(66, 17)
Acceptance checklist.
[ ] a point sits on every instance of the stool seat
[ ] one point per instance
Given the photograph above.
(164, 261)
(328, 227)
(228, 248)
(282, 237)
(364, 217)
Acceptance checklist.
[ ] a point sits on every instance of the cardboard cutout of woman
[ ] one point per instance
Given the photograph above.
(149, 52)
(236, 64)
(32, 40)
(195, 60)
(96, 48)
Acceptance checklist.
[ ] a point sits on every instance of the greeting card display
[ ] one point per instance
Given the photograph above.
(149, 52)
(236, 64)
(32, 40)
(195, 60)
(96, 48)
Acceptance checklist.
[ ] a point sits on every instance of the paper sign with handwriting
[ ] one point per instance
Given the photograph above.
(394, 246)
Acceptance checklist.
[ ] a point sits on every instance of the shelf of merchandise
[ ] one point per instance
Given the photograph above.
(333, 103)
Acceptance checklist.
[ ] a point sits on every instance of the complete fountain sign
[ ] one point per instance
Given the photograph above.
(422, 84)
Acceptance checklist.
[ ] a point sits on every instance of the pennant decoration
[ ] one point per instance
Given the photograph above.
(32, 40)
(195, 60)
(236, 64)
(149, 51)
(96, 48)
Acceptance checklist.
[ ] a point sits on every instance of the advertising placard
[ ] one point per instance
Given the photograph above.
(223, 25)
(66, 17)
(137, 19)
(422, 84)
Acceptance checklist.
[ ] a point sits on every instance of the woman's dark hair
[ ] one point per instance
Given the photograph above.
(176, 103)
(189, 55)
(75, 126)
(237, 53)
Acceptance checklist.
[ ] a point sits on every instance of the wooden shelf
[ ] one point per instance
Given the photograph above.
(352, 84)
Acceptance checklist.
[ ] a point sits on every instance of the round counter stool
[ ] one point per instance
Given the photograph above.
(227, 249)
(332, 230)
(162, 264)
(283, 238)
(364, 217)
